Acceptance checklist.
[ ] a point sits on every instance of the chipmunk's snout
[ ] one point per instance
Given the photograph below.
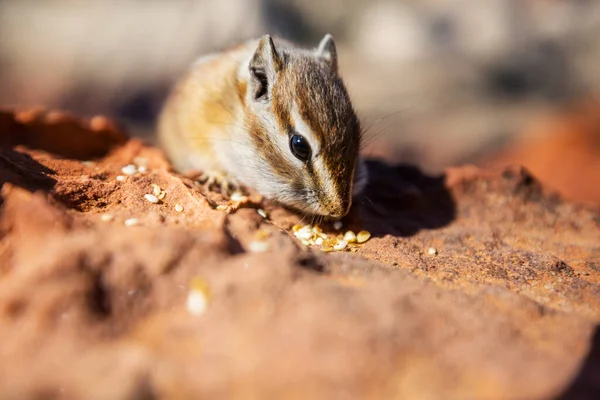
(337, 208)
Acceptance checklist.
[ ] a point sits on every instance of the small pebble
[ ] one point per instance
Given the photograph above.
(432, 251)
(120, 178)
(363, 236)
(258, 246)
(142, 161)
(129, 170)
(106, 217)
(151, 198)
(131, 221)
(178, 208)
(262, 213)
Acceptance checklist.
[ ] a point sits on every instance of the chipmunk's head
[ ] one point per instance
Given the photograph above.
(303, 128)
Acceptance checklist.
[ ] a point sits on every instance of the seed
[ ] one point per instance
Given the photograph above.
(129, 170)
(131, 221)
(106, 217)
(262, 213)
(151, 198)
(350, 237)
(156, 190)
(340, 245)
(238, 197)
(222, 207)
(142, 169)
(178, 208)
(432, 251)
(304, 233)
(363, 236)
(162, 195)
(319, 241)
(198, 297)
(258, 246)
(337, 225)
(120, 178)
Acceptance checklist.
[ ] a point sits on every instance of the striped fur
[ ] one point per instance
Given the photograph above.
(220, 119)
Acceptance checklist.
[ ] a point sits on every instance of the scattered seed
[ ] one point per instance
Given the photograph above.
(363, 236)
(178, 208)
(337, 225)
(304, 233)
(340, 245)
(432, 251)
(258, 246)
(162, 195)
(142, 169)
(106, 217)
(156, 190)
(319, 241)
(262, 213)
(222, 207)
(350, 237)
(238, 196)
(131, 221)
(88, 163)
(151, 198)
(198, 297)
(129, 170)
(120, 178)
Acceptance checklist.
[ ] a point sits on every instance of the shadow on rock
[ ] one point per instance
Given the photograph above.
(400, 200)
(586, 384)
(21, 170)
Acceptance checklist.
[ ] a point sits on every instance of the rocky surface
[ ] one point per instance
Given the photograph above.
(475, 284)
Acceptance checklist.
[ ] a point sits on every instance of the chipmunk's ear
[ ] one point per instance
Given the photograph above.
(264, 67)
(327, 51)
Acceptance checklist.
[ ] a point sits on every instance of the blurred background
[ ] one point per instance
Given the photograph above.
(489, 82)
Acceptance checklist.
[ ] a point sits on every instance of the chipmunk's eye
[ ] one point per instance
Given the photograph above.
(300, 147)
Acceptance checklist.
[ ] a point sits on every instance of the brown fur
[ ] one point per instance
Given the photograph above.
(212, 97)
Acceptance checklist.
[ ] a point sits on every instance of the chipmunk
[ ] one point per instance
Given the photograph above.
(269, 116)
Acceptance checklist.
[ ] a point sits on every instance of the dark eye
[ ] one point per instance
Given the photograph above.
(300, 147)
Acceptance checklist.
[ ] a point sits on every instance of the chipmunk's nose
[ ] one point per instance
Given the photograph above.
(340, 208)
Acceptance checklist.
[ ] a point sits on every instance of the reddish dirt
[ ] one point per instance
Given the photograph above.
(506, 308)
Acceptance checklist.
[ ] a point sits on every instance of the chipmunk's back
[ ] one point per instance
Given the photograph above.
(205, 105)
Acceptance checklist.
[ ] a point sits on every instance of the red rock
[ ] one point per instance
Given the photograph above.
(90, 308)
